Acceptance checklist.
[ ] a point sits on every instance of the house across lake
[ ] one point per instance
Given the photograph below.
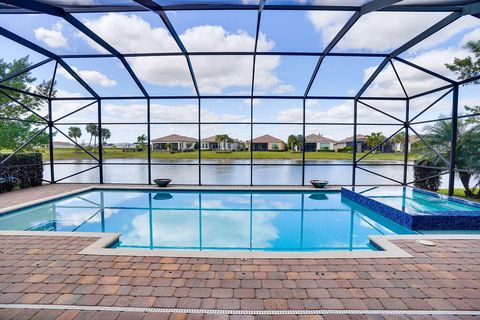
(268, 143)
(313, 143)
(317, 142)
(222, 142)
(174, 142)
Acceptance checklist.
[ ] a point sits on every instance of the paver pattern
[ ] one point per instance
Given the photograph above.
(37, 193)
(49, 270)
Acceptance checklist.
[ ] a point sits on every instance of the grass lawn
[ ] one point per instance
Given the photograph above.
(114, 153)
(460, 192)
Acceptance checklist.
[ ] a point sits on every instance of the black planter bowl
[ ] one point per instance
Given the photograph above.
(319, 183)
(162, 182)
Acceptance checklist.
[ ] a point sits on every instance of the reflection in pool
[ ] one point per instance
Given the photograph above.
(212, 220)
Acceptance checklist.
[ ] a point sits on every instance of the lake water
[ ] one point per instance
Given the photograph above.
(230, 172)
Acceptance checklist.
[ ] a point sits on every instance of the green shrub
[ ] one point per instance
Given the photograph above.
(22, 170)
(420, 173)
(346, 149)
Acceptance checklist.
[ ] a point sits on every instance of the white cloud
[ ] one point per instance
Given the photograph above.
(52, 37)
(319, 111)
(316, 112)
(471, 36)
(441, 108)
(461, 25)
(214, 73)
(90, 76)
(64, 94)
(139, 36)
(436, 59)
(384, 31)
(415, 81)
(219, 229)
(284, 88)
(73, 217)
(216, 38)
(166, 113)
(64, 107)
(385, 84)
(328, 23)
(428, 54)
(209, 116)
(135, 111)
(164, 71)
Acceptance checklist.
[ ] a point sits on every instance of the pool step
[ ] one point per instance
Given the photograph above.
(50, 225)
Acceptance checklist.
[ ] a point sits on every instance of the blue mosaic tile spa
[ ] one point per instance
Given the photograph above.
(417, 209)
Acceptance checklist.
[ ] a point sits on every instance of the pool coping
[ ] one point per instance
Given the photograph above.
(101, 247)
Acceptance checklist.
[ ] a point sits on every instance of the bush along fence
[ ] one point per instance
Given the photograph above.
(426, 175)
(21, 171)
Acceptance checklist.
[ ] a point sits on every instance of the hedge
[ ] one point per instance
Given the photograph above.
(425, 177)
(22, 170)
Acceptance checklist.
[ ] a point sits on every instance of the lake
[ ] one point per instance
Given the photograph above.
(230, 172)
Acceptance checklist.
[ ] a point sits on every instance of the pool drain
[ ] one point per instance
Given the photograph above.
(243, 312)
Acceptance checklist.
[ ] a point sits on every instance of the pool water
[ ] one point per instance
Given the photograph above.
(415, 201)
(212, 220)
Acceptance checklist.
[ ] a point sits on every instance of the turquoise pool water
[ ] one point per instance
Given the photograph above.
(415, 201)
(212, 220)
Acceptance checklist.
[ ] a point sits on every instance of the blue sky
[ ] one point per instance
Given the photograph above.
(231, 75)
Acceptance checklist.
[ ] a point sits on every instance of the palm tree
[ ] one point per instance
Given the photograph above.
(74, 133)
(142, 141)
(374, 139)
(291, 141)
(467, 159)
(223, 139)
(438, 136)
(95, 135)
(106, 134)
(92, 129)
(400, 139)
(300, 141)
(468, 134)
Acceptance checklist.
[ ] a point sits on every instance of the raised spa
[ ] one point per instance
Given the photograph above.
(418, 209)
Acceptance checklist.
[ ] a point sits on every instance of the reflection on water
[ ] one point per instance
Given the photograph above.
(281, 221)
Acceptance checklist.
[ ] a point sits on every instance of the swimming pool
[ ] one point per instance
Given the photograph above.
(212, 220)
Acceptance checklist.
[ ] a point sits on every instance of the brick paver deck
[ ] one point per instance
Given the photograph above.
(37, 193)
(49, 270)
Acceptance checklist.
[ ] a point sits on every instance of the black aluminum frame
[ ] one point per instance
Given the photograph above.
(65, 12)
